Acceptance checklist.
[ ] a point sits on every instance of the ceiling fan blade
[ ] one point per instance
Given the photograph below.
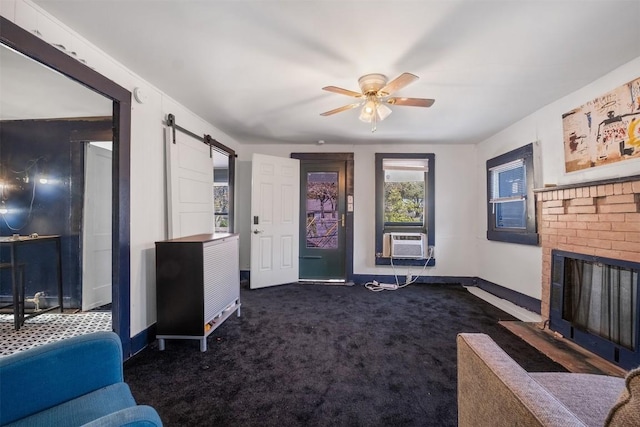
(412, 102)
(341, 91)
(341, 109)
(398, 83)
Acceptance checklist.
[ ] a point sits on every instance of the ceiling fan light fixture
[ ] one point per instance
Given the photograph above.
(375, 93)
(368, 111)
(372, 83)
(374, 110)
(383, 111)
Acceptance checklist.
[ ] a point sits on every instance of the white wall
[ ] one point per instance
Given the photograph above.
(518, 267)
(461, 245)
(455, 203)
(148, 205)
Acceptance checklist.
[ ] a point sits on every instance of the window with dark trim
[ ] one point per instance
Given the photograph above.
(405, 194)
(511, 210)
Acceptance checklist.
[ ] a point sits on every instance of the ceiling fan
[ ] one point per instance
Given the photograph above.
(375, 93)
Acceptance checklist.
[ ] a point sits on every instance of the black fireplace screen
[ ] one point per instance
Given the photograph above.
(601, 299)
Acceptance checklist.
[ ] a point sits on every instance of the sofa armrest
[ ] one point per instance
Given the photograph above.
(45, 376)
(494, 390)
(136, 416)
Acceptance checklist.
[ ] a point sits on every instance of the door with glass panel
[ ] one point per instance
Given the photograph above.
(322, 221)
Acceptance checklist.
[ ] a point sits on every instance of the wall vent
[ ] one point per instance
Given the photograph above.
(405, 245)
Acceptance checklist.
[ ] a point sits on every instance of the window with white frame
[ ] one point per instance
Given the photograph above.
(511, 205)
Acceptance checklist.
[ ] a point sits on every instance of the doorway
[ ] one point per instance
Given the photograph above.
(326, 217)
(118, 102)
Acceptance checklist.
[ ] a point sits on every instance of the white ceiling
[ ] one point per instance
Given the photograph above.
(255, 69)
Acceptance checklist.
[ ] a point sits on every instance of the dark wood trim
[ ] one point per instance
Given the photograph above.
(528, 236)
(361, 279)
(105, 134)
(218, 146)
(232, 191)
(349, 163)
(32, 46)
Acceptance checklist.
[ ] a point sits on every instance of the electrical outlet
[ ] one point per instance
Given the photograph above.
(432, 251)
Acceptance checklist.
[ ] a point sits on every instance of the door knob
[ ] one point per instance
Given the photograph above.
(256, 231)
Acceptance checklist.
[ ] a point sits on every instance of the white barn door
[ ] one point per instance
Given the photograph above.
(189, 186)
(275, 206)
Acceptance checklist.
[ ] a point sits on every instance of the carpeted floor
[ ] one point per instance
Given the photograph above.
(313, 355)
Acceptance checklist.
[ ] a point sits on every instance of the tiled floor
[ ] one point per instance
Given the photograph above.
(47, 328)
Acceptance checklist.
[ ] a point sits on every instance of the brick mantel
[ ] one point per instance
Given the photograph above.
(598, 218)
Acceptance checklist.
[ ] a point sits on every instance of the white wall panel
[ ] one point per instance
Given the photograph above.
(148, 207)
(519, 267)
(455, 203)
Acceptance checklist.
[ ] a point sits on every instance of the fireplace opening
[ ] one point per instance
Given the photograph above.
(594, 302)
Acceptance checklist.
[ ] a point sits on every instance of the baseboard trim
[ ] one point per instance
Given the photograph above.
(361, 279)
(530, 303)
(245, 275)
(141, 340)
(517, 298)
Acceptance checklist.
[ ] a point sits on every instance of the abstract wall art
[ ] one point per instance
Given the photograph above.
(604, 130)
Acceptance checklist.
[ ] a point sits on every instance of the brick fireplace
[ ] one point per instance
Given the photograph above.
(590, 238)
(597, 218)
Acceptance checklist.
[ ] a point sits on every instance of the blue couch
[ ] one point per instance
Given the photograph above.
(74, 382)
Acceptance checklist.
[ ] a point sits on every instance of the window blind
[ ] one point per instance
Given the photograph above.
(508, 182)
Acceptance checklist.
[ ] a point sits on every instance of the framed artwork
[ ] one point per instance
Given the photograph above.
(604, 130)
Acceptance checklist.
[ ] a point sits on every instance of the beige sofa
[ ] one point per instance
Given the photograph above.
(493, 390)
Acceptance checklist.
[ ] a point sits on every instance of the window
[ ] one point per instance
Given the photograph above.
(223, 180)
(404, 199)
(404, 191)
(221, 206)
(511, 205)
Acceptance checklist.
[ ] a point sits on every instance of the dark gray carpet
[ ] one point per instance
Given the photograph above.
(313, 355)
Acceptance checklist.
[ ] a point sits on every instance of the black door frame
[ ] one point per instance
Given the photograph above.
(15, 37)
(347, 158)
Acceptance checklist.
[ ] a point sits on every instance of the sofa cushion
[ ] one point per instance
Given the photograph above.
(82, 410)
(49, 375)
(576, 392)
(626, 412)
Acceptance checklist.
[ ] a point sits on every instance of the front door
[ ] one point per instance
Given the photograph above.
(322, 221)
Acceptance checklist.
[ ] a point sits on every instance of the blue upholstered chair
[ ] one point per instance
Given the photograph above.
(74, 382)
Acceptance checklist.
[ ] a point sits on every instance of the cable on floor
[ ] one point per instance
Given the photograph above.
(375, 286)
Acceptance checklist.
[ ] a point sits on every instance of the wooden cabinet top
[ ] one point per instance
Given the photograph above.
(200, 238)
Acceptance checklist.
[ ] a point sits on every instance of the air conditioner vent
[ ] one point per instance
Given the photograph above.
(407, 245)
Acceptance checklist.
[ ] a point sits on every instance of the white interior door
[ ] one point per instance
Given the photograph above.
(189, 186)
(96, 228)
(275, 205)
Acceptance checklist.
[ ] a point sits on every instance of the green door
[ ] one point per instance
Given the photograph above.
(322, 221)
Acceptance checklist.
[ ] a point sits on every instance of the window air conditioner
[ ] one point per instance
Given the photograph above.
(405, 245)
